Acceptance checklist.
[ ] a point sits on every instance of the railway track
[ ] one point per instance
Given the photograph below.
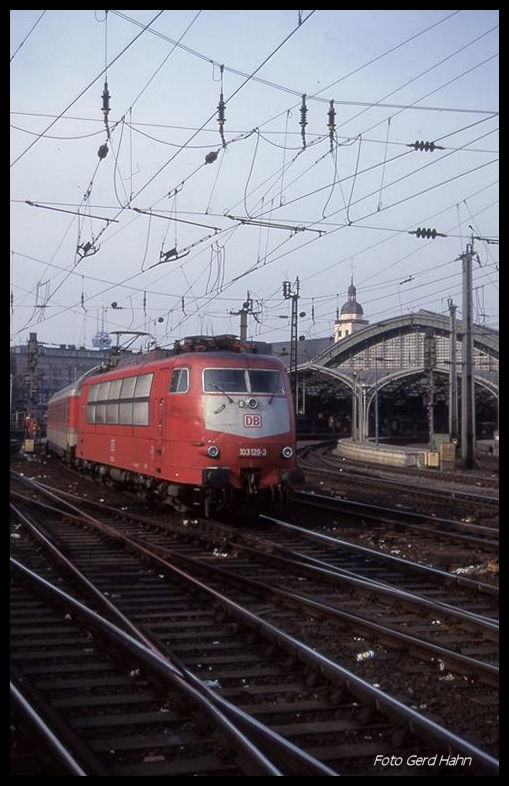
(151, 595)
(112, 706)
(467, 595)
(485, 476)
(418, 490)
(461, 533)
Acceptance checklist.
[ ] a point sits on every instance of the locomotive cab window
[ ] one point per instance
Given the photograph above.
(239, 380)
(261, 381)
(179, 382)
(224, 380)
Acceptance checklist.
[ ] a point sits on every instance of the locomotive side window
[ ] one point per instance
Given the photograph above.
(127, 389)
(92, 392)
(123, 402)
(114, 391)
(224, 380)
(112, 413)
(179, 382)
(143, 385)
(102, 392)
(140, 413)
(125, 413)
(265, 382)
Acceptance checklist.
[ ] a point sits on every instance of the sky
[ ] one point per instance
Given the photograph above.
(133, 212)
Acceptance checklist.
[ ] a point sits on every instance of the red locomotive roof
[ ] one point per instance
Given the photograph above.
(226, 342)
(192, 357)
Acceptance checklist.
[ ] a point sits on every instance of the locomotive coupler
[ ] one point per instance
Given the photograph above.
(217, 477)
(251, 480)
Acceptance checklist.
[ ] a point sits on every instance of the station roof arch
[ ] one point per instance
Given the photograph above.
(336, 354)
(393, 349)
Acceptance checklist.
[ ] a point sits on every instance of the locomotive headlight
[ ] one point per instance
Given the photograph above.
(287, 452)
(213, 451)
(252, 403)
(242, 403)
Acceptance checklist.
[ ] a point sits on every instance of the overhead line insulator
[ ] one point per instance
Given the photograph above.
(331, 125)
(427, 147)
(303, 121)
(106, 107)
(221, 118)
(426, 233)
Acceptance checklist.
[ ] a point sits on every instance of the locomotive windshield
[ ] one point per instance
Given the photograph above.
(265, 381)
(237, 380)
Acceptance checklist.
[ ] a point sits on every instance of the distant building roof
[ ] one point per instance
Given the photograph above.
(306, 350)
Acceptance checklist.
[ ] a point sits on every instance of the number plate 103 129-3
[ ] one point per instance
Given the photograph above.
(253, 452)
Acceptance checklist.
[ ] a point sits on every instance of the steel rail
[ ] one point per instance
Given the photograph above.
(254, 760)
(42, 730)
(441, 526)
(320, 567)
(287, 756)
(463, 663)
(382, 702)
(418, 567)
(364, 479)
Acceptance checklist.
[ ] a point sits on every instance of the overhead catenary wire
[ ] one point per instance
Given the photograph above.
(269, 254)
(169, 294)
(316, 95)
(242, 275)
(27, 36)
(84, 90)
(229, 98)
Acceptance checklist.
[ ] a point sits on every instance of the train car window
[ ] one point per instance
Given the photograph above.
(125, 413)
(114, 391)
(127, 390)
(265, 381)
(91, 413)
(100, 413)
(92, 392)
(224, 380)
(143, 385)
(102, 393)
(179, 382)
(140, 413)
(112, 413)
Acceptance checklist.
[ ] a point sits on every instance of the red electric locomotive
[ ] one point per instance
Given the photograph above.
(205, 426)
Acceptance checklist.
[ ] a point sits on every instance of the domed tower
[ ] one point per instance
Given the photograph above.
(349, 318)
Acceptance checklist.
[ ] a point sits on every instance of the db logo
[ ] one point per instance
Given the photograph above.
(252, 421)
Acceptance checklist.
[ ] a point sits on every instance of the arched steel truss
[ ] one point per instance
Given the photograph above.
(337, 362)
